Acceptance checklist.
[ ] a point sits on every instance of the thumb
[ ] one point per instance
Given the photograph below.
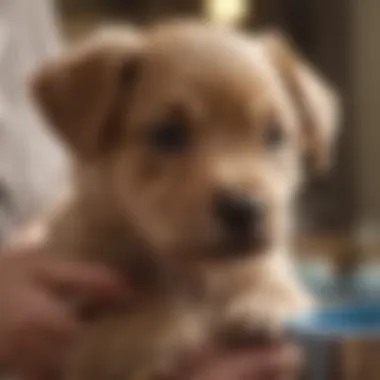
(91, 280)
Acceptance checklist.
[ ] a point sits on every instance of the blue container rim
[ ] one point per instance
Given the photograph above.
(347, 320)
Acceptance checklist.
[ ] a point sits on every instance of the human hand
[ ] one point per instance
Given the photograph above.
(275, 362)
(36, 324)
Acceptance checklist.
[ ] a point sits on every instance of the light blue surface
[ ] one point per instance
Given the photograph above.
(356, 300)
(353, 311)
(353, 319)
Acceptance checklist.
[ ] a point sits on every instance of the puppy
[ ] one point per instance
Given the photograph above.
(189, 142)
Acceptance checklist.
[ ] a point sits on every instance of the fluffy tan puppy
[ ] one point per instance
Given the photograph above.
(188, 141)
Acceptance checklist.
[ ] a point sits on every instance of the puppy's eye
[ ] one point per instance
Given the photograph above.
(170, 136)
(274, 136)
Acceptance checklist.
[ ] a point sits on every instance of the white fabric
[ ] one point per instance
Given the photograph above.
(32, 164)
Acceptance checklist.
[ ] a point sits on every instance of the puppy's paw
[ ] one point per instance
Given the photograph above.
(250, 326)
(115, 364)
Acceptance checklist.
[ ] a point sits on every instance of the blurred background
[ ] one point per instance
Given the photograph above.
(339, 215)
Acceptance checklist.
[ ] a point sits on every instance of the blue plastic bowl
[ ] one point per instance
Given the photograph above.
(324, 333)
(349, 320)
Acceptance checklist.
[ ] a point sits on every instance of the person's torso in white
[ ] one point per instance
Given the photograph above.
(32, 164)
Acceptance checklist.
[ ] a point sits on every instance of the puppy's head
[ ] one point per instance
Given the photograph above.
(195, 135)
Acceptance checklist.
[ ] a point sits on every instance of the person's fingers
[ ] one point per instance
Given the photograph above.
(55, 318)
(41, 311)
(39, 346)
(69, 276)
(94, 281)
(283, 363)
(37, 353)
(39, 357)
(237, 365)
(270, 363)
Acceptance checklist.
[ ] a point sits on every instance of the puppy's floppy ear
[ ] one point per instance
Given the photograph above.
(77, 93)
(316, 102)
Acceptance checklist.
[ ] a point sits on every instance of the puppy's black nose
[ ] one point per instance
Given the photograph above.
(239, 213)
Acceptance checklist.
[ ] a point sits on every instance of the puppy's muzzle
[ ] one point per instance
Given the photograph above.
(242, 217)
